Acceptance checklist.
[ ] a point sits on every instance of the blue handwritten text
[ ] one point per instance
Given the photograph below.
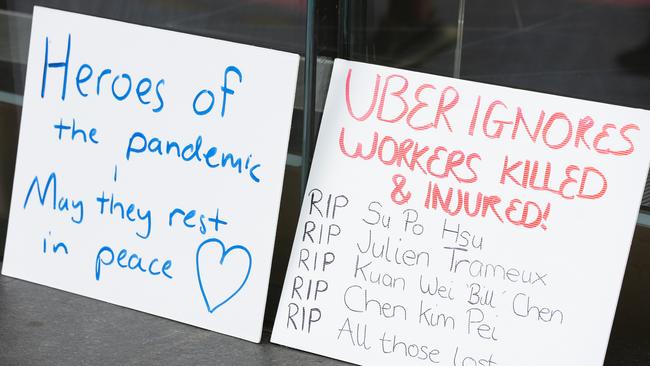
(138, 143)
(62, 204)
(106, 257)
(112, 206)
(120, 88)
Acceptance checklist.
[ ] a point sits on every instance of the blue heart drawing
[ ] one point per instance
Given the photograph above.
(224, 253)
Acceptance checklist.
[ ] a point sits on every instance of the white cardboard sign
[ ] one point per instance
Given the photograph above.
(150, 168)
(456, 223)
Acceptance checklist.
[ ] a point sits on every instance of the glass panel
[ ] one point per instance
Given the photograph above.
(596, 50)
(590, 49)
(417, 34)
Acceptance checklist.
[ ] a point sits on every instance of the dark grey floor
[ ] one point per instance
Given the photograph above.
(44, 326)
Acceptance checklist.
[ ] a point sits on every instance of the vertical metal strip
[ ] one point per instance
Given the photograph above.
(360, 52)
(459, 38)
(343, 49)
(310, 95)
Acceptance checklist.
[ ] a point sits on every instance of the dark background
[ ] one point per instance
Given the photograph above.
(591, 49)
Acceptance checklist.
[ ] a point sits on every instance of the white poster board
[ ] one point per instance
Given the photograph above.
(149, 170)
(456, 223)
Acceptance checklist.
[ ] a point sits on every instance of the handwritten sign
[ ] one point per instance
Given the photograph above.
(149, 170)
(456, 223)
